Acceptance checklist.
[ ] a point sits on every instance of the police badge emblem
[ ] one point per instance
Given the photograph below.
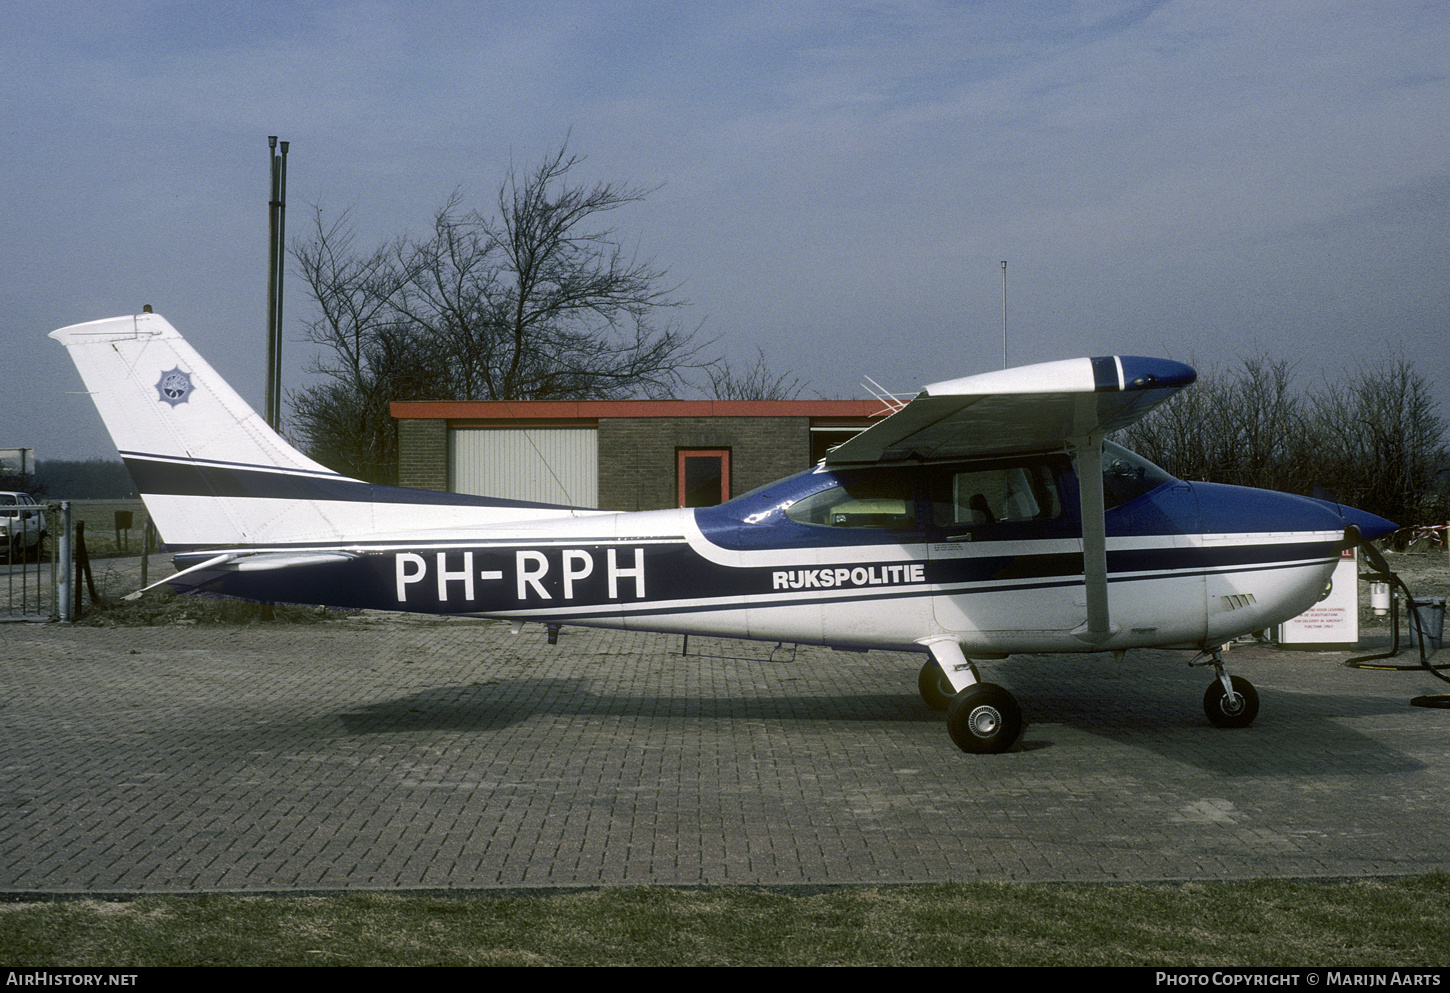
(174, 386)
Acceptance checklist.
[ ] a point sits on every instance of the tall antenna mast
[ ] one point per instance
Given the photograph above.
(1004, 313)
(276, 268)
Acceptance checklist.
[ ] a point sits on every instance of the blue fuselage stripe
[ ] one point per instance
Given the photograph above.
(623, 577)
(162, 477)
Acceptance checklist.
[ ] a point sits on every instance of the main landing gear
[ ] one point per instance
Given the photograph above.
(982, 718)
(936, 689)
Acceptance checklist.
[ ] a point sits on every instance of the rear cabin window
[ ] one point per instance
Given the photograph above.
(877, 500)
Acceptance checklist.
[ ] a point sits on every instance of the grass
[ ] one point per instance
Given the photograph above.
(1269, 922)
(103, 540)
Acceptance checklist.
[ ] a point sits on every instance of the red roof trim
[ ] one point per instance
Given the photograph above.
(451, 410)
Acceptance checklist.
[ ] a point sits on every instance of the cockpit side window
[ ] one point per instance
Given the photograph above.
(1000, 494)
(871, 500)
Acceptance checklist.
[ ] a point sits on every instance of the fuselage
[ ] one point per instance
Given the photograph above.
(986, 553)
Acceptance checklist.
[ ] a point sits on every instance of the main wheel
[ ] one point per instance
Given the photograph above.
(1237, 711)
(936, 689)
(984, 718)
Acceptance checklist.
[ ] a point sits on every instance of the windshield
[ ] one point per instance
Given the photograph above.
(1127, 476)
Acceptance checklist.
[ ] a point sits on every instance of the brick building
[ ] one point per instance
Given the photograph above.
(618, 454)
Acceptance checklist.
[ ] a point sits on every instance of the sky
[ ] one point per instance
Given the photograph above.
(836, 183)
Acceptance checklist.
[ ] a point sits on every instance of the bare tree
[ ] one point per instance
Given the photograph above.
(756, 383)
(1373, 438)
(1243, 427)
(345, 418)
(1383, 443)
(534, 300)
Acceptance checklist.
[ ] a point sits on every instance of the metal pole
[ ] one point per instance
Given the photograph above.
(270, 405)
(1004, 313)
(67, 563)
(54, 524)
(281, 255)
(146, 534)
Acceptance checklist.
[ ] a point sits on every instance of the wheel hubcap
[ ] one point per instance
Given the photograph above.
(984, 721)
(1232, 704)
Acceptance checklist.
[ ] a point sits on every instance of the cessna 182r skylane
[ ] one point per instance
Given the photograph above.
(986, 517)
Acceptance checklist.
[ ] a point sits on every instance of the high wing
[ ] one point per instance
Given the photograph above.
(1052, 406)
(1028, 409)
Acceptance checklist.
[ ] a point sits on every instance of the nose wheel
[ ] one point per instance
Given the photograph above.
(1231, 708)
(1229, 701)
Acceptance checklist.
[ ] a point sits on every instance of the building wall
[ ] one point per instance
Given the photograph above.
(637, 455)
(423, 453)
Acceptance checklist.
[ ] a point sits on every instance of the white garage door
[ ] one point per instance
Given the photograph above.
(547, 465)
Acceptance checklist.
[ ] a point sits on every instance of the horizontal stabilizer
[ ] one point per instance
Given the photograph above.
(251, 562)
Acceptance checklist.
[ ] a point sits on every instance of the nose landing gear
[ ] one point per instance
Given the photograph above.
(1229, 701)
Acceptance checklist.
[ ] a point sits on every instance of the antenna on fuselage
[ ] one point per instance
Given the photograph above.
(892, 401)
(1004, 313)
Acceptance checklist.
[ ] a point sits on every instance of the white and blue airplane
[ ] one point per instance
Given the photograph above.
(987, 517)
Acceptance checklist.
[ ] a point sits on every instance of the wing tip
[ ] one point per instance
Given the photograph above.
(1139, 372)
(1097, 374)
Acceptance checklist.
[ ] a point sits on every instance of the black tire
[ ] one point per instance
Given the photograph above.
(984, 719)
(936, 690)
(1226, 713)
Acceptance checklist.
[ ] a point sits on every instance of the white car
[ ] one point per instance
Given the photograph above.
(22, 524)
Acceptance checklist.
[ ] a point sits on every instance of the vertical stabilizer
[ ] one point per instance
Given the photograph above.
(213, 474)
(185, 434)
(161, 400)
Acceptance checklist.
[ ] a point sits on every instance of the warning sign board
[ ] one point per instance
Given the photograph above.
(1332, 623)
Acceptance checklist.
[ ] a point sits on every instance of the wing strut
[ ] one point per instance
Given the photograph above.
(1088, 459)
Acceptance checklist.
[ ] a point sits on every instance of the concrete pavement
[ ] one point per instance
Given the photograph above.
(419, 754)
